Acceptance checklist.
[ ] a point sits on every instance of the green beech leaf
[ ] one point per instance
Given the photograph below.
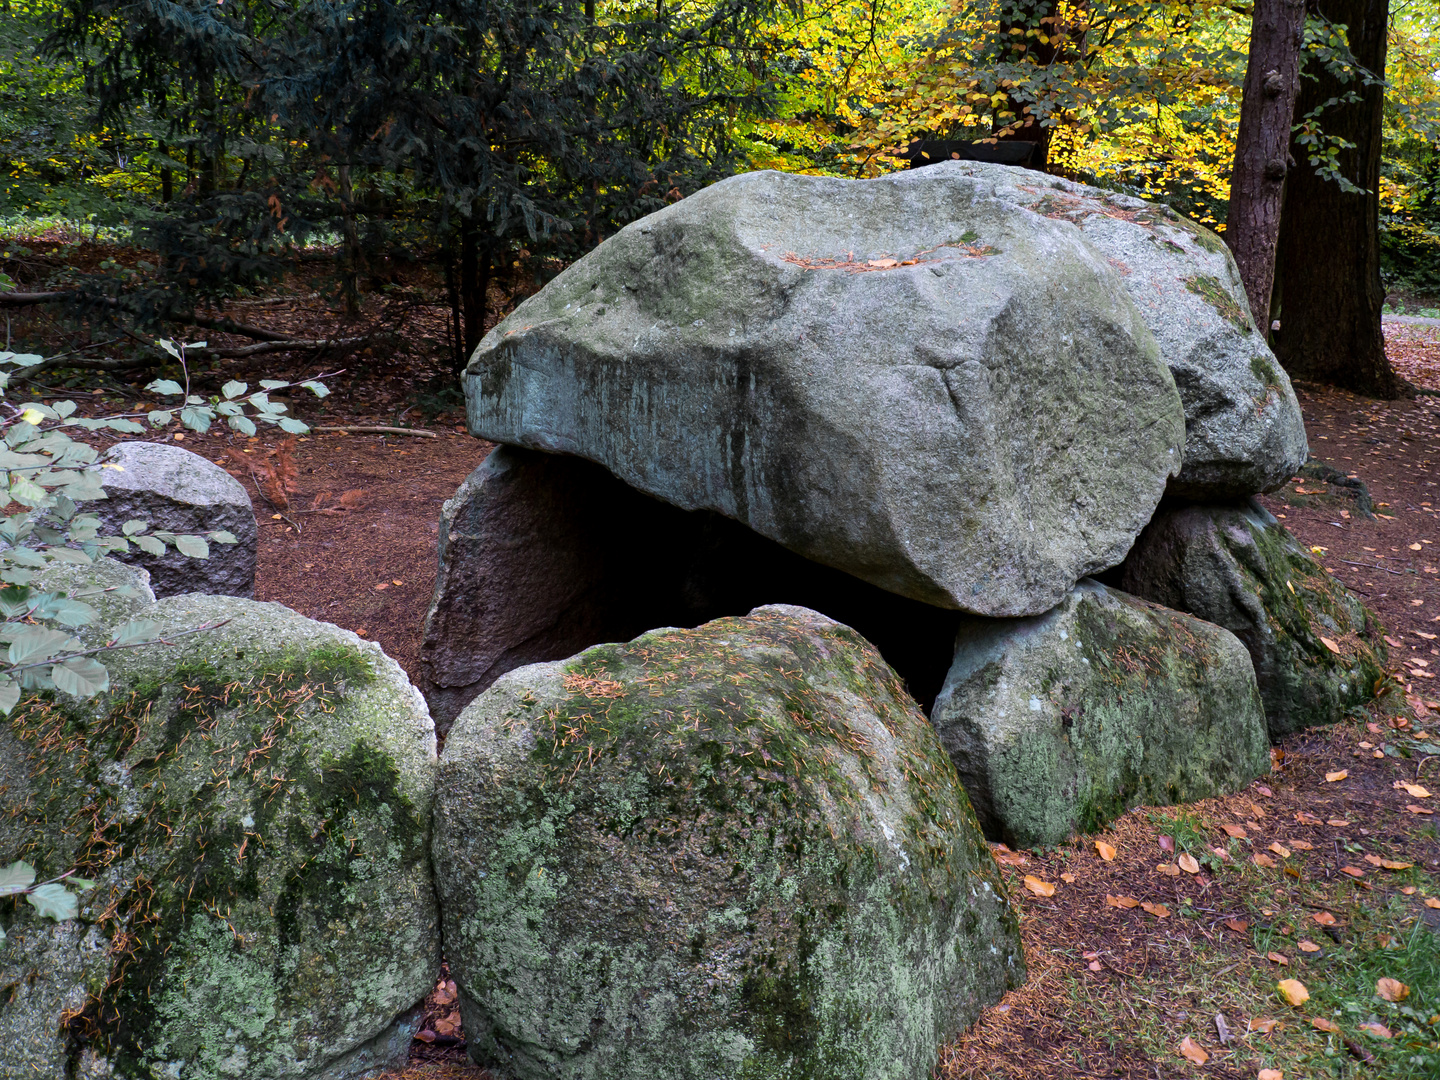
(160, 417)
(149, 545)
(319, 389)
(133, 526)
(167, 387)
(293, 426)
(81, 676)
(9, 694)
(223, 536)
(135, 632)
(233, 389)
(54, 901)
(193, 546)
(16, 878)
(242, 424)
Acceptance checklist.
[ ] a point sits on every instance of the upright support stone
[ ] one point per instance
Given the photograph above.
(1317, 650)
(1060, 723)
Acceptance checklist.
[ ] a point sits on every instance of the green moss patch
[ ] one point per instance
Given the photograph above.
(1214, 293)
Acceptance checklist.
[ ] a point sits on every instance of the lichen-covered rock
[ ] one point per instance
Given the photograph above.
(253, 804)
(928, 388)
(1243, 429)
(115, 590)
(184, 493)
(734, 851)
(1063, 722)
(1317, 650)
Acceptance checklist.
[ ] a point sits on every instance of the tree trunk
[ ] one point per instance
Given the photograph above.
(1029, 15)
(350, 273)
(1328, 257)
(1257, 184)
(474, 282)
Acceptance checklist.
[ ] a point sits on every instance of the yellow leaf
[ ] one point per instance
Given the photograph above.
(1392, 989)
(1373, 860)
(1261, 859)
(1190, 1050)
(1068, 879)
(1281, 850)
(1431, 902)
(1121, 901)
(1329, 644)
(1415, 791)
(1293, 991)
(1160, 911)
(1169, 869)
(1105, 850)
(1188, 864)
(1321, 1023)
(1332, 777)
(1038, 887)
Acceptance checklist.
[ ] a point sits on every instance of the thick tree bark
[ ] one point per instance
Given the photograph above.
(1257, 184)
(1328, 257)
(1029, 15)
(475, 251)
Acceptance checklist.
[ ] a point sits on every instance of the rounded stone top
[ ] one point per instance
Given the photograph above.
(170, 471)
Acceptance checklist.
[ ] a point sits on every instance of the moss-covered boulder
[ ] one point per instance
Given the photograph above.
(116, 591)
(252, 803)
(737, 851)
(1317, 649)
(1062, 722)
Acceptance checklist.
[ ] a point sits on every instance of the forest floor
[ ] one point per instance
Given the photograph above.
(1155, 948)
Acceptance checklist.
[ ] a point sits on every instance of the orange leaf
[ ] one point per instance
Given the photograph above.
(1373, 860)
(1321, 1023)
(1188, 864)
(1302, 845)
(1190, 1050)
(1330, 645)
(1353, 871)
(1324, 918)
(1277, 958)
(1068, 879)
(1270, 1074)
(1238, 925)
(1105, 851)
(1379, 1031)
(1306, 945)
(1169, 869)
(1038, 887)
(1293, 991)
(1121, 901)
(1262, 1024)
(1391, 864)
(1392, 989)
(1160, 911)
(1415, 791)
(1337, 822)
(1235, 832)
(1431, 902)
(1332, 777)
(1419, 809)
(1261, 859)
(1281, 850)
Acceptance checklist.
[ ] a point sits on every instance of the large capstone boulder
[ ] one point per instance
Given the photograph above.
(183, 493)
(1244, 432)
(1317, 650)
(252, 803)
(542, 555)
(906, 379)
(1060, 723)
(737, 850)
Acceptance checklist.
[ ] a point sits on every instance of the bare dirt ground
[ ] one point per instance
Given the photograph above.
(1160, 960)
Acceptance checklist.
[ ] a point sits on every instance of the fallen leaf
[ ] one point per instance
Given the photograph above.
(883, 264)
(1238, 925)
(1188, 863)
(1190, 1050)
(1169, 869)
(1337, 822)
(1263, 790)
(1392, 642)
(1235, 832)
(1270, 1074)
(1324, 918)
(1220, 853)
(1408, 890)
(1306, 945)
(1431, 902)
(1392, 864)
(1261, 859)
(1068, 879)
(1353, 871)
(1160, 911)
(425, 1036)
(1262, 1024)
(1167, 843)
(1095, 965)
(1378, 1030)
(1277, 958)
(1121, 901)
(1038, 887)
(1321, 1023)
(1007, 857)
(1330, 645)
(1373, 860)
(1302, 845)
(1281, 850)
(1334, 777)
(1105, 851)
(383, 585)
(1415, 547)
(1304, 817)
(1418, 809)
(1415, 791)
(1392, 989)
(1293, 991)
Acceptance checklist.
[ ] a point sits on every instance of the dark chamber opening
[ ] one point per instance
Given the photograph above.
(569, 557)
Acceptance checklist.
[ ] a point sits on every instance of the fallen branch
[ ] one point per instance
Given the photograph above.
(281, 345)
(24, 299)
(376, 430)
(224, 326)
(1372, 566)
